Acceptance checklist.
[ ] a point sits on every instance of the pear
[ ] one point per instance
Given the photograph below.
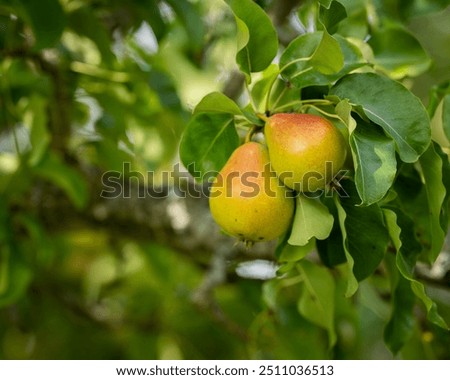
(306, 151)
(247, 200)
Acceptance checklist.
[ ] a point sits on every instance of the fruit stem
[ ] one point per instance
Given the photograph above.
(322, 111)
(251, 132)
(263, 117)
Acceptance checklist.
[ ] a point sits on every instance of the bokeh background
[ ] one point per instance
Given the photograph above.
(142, 272)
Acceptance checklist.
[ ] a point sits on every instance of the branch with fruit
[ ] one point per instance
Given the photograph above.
(345, 164)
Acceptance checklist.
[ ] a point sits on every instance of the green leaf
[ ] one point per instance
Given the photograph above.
(217, 102)
(294, 253)
(374, 160)
(331, 250)
(400, 327)
(15, 276)
(36, 117)
(431, 164)
(446, 115)
(365, 236)
(344, 111)
(257, 51)
(437, 93)
(207, 143)
(52, 168)
(332, 16)
(399, 52)
(312, 220)
(47, 20)
(401, 230)
(390, 105)
(260, 89)
(316, 303)
(325, 3)
(327, 58)
(352, 282)
(163, 84)
(297, 69)
(438, 134)
(190, 15)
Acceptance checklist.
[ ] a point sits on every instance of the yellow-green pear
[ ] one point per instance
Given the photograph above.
(247, 200)
(306, 151)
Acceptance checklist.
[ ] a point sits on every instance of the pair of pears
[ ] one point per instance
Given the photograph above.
(252, 197)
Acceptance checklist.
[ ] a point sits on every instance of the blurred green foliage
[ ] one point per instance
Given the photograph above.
(86, 85)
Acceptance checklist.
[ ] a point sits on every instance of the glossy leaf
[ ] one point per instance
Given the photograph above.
(332, 16)
(297, 68)
(374, 160)
(217, 102)
(398, 52)
(390, 105)
(207, 143)
(258, 52)
(365, 235)
(327, 57)
(316, 303)
(312, 220)
(260, 88)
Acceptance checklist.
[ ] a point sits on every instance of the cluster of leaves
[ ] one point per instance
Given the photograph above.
(87, 85)
(394, 212)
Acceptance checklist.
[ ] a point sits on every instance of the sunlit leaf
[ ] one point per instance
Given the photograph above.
(390, 105)
(260, 49)
(327, 58)
(297, 68)
(312, 220)
(207, 143)
(375, 163)
(217, 102)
